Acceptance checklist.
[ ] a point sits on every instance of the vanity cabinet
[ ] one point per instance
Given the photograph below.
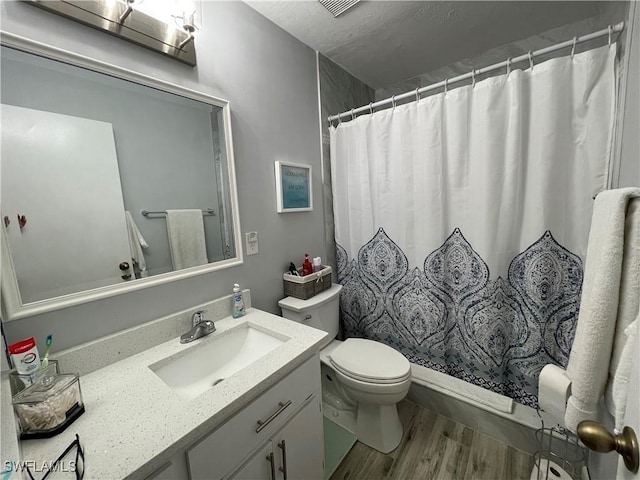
(287, 415)
(295, 452)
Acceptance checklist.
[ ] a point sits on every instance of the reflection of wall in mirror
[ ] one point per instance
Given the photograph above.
(164, 142)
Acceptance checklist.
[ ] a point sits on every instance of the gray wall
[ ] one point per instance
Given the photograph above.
(270, 81)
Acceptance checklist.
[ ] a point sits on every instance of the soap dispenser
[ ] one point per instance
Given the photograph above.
(238, 309)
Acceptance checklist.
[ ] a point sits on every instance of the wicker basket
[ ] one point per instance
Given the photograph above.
(309, 285)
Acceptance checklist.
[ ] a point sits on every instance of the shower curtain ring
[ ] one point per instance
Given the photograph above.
(530, 60)
(393, 101)
(446, 85)
(473, 78)
(371, 108)
(353, 117)
(339, 118)
(573, 48)
(418, 94)
(508, 66)
(610, 29)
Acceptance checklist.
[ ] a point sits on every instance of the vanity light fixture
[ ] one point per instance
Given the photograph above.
(124, 20)
(188, 24)
(127, 12)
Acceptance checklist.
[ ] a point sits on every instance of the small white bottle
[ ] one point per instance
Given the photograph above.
(238, 302)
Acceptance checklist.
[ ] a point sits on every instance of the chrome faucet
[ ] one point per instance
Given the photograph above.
(199, 327)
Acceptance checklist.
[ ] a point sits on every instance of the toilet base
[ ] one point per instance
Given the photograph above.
(378, 426)
(344, 418)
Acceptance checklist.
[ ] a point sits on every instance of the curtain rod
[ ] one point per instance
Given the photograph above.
(507, 63)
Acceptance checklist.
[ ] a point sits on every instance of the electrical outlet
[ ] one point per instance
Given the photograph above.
(251, 243)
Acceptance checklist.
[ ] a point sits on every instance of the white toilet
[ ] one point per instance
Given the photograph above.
(361, 378)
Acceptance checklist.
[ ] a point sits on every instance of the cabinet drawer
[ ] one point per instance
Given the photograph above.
(227, 446)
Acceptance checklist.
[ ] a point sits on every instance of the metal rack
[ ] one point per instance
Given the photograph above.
(561, 455)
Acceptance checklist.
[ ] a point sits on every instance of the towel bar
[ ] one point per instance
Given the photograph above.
(205, 211)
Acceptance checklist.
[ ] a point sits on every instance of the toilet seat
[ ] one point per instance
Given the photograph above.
(370, 362)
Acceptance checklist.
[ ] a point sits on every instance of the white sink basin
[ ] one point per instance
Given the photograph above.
(214, 359)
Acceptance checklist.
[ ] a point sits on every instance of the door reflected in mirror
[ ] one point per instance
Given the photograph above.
(122, 181)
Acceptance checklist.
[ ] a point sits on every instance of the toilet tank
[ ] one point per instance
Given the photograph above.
(320, 311)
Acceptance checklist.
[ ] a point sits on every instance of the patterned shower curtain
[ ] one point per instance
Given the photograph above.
(462, 220)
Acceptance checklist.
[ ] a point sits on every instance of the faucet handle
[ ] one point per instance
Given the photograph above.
(197, 317)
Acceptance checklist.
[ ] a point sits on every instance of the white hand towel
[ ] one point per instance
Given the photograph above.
(186, 238)
(136, 244)
(629, 291)
(617, 403)
(590, 355)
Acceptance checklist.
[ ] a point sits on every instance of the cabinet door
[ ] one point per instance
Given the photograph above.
(299, 446)
(225, 449)
(259, 467)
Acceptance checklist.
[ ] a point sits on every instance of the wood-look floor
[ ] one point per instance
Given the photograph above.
(438, 448)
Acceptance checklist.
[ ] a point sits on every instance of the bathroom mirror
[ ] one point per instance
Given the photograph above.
(93, 157)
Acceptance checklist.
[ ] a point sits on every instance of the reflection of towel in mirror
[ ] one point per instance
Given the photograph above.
(136, 244)
(186, 238)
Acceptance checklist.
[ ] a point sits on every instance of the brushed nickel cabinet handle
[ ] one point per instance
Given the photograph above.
(272, 465)
(262, 424)
(283, 468)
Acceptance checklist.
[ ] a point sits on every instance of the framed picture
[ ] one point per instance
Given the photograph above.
(293, 187)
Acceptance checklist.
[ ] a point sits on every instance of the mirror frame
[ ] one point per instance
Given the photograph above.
(12, 306)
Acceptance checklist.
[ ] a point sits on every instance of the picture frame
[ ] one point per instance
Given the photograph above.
(294, 192)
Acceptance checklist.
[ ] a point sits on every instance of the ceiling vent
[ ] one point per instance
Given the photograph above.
(337, 7)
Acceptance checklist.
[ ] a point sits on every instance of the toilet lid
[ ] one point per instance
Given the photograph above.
(370, 361)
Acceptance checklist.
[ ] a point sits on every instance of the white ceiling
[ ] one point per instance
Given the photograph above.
(383, 42)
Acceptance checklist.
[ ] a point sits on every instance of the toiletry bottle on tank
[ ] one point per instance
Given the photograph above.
(307, 268)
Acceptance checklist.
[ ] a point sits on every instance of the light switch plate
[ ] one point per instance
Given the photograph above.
(251, 243)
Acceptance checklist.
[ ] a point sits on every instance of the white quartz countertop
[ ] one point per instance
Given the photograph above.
(134, 422)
